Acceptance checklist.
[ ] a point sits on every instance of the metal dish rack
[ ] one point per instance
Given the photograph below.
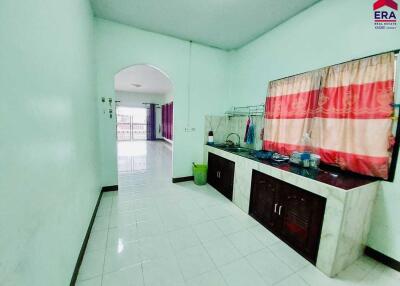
(250, 110)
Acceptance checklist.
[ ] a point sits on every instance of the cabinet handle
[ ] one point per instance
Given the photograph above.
(280, 208)
(275, 208)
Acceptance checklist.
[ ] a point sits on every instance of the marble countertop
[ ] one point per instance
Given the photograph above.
(324, 174)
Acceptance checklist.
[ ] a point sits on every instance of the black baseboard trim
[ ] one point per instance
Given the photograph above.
(110, 188)
(382, 258)
(182, 179)
(85, 242)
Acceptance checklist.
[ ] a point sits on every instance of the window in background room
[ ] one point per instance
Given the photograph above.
(131, 124)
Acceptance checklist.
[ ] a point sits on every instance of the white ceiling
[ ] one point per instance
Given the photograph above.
(226, 24)
(150, 79)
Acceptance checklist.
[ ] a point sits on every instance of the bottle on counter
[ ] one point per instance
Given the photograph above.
(210, 138)
(307, 150)
(305, 159)
(306, 143)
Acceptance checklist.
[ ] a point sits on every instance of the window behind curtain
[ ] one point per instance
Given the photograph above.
(351, 121)
(353, 124)
(289, 111)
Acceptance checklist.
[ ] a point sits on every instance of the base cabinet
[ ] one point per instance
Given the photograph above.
(221, 174)
(265, 204)
(293, 214)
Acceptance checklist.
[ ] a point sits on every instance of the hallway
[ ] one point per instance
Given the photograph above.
(155, 233)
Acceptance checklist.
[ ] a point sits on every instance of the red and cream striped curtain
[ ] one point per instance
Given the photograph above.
(353, 126)
(346, 108)
(289, 110)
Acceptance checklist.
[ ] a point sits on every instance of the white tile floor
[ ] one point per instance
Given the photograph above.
(152, 232)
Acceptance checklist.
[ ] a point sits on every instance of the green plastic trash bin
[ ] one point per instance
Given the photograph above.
(200, 174)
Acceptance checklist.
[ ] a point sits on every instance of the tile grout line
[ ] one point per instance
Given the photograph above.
(223, 235)
(201, 242)
(108, 230)
(133, 192)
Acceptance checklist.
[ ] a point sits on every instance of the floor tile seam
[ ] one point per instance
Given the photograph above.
(209, 256)
(370, 271)
(365, 272)
(281, 260)
(252, 252)
(230, 233)
(173, 253)
(89, 278)
(226, 263)
(141, 268)
(107, 248)
(168, 232)
(259, 274)
(177, 262)
(105, 273)
(106, 208)
(269, 245)
(267, 248)
(292, 274)
(252, 234)
(105, 253)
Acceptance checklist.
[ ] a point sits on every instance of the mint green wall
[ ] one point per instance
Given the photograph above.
(330, 32)
(119, 46)
(49, 180)
(50, 163)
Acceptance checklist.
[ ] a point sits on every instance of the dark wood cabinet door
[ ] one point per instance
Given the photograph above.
(264, 200)
(213, 169)
(227, 176)
(302, 216)
(220, 174)
(293, 214)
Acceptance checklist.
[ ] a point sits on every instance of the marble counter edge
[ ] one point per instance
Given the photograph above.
(305, 181)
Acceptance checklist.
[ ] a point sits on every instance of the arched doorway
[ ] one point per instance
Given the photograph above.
(144, 123)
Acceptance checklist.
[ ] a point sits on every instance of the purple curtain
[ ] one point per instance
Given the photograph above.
(163, 120)
(167, 120)
(171, 116)
(151, 122)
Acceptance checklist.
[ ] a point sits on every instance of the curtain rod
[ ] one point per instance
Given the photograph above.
(396, 52)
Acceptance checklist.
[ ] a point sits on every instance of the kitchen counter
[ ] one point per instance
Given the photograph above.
(349, 203)
(324, 174)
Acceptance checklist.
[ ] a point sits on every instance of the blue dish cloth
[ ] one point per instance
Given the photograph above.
(250, 134)
(263, 155)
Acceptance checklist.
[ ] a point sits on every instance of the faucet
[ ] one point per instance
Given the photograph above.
(229, 142)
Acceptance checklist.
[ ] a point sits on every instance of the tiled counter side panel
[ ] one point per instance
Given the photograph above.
(356, 225)
(242, 184)
(331, 227)
(338, 218)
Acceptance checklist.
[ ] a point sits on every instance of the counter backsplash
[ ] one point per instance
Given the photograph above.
(223, 125)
